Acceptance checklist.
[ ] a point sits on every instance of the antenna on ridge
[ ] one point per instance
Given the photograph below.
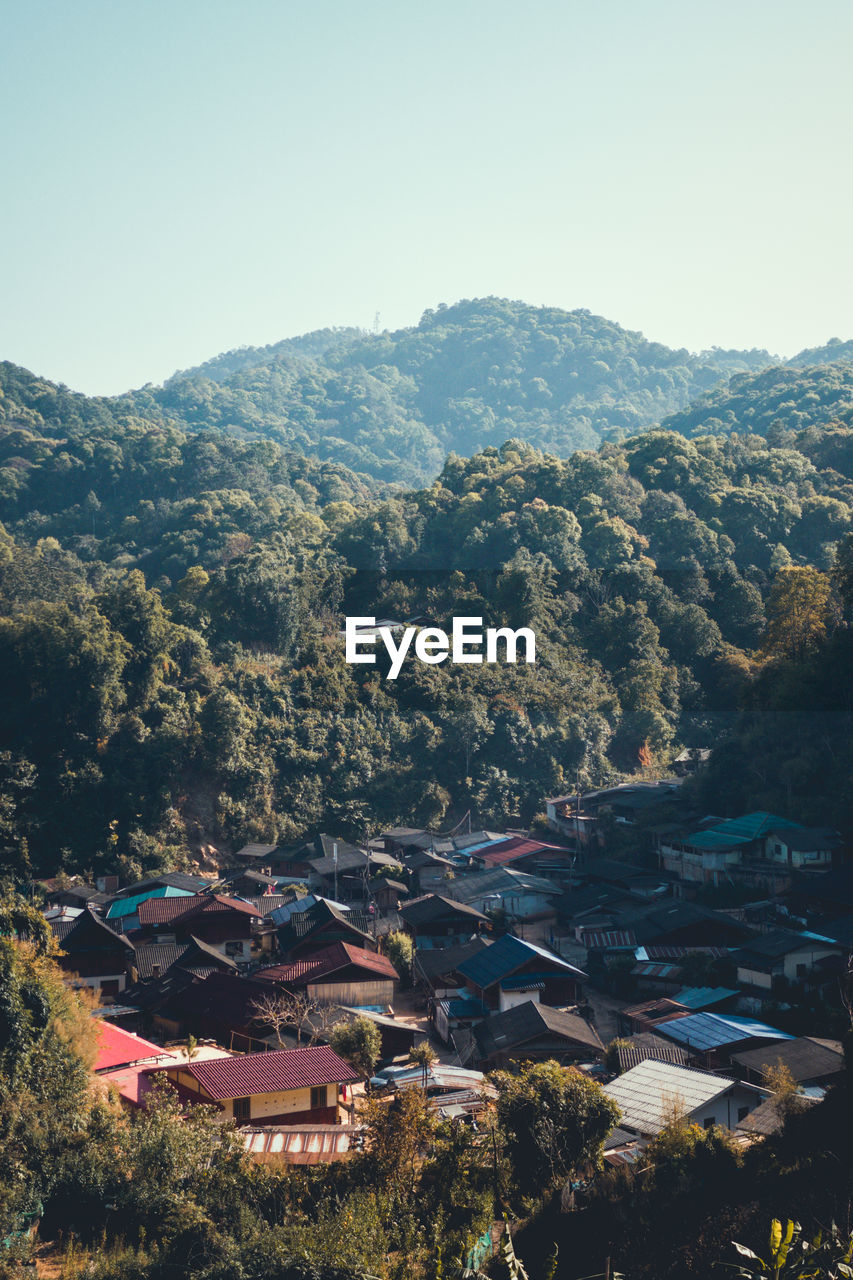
(376, 322)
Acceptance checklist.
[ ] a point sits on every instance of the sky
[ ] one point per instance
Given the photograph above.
(187, 176)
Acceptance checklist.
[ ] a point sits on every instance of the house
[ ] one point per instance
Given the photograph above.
(784, 956)
(434, 920)
(123, 913)
(769, 1116)
(343, 870)
(521, 895)
(458, 1012)
(523, 853)
(226, 924)
(652, 1094)
(511, 971)
(398, 1038)
(760, 848)
(338, 974)
(97, 956)
(155, 959)
(323, 923)
(811, 1061)
(286, 1086)
(436, 970)
(387, 893)
(222, 1007)
(534, 1032)
(673, 922)
(119, 1048)
(125, 1062)
(712, 1037)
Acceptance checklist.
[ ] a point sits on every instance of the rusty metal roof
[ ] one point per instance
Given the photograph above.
(326, 962)
(276, 1072)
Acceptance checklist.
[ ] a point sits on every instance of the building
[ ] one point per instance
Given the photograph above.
(785, 956)
(533, 1032)
(287, 1086)
(226, 924)
(338, 974)
(654, 1094)
(97, 956)
(811, 1061)
(323, 923)
(760, 848)
(521, 895)
(511, 971)
(434, 920)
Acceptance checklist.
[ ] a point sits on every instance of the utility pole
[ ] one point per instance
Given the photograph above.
(335, 860)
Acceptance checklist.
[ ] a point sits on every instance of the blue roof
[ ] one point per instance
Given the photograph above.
(716, 1030)
(503, 957)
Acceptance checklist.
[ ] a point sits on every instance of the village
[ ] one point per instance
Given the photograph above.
(695, 967)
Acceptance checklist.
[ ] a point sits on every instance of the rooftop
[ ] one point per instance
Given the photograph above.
(529, 1021)
(503, 957)
(651, 1092)
(275, 1072)
(117, 1048)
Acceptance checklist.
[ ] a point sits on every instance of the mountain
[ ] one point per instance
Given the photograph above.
(469, 376)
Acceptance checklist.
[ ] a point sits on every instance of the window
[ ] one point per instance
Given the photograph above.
(802, 970)
(319, 1096)
(710, 1121)
(242, 1110)
(742, 1113)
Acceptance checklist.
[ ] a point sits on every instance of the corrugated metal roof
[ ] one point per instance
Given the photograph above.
(163, 910)
(702, 997)
(607, 939)
(305, 1144)
(648, 1094)
(325, 962)
(117, 1048)
(274, 1072)
(703, 1031)
(127, 906)
(506, 955)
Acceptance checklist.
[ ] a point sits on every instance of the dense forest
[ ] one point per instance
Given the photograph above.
(393, 405)
(172, 597)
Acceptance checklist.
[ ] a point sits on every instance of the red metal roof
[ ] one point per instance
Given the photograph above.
(251, 1073)
(513, 849)
(118, 1048)
(326, 962)
(161, 910)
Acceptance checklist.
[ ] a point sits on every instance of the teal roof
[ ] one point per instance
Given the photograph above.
(130, 906)
(738, 831)
(701, 997)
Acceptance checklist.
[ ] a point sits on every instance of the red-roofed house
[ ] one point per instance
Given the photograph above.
(118, 1048)
(226, 924)
(519, 851)
(338, 974)
(287, 1086)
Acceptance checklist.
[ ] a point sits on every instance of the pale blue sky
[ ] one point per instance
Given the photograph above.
(186, 176)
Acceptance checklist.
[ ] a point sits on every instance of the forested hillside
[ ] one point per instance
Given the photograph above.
(468, 376)
(173, 672)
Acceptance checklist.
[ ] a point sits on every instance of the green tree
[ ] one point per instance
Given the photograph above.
(553, 1121)
(358, 1042)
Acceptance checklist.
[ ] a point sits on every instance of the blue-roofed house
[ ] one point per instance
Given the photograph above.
(710, 1038)
(511, 971)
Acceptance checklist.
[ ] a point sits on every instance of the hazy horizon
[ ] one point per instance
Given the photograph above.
(190, 179)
